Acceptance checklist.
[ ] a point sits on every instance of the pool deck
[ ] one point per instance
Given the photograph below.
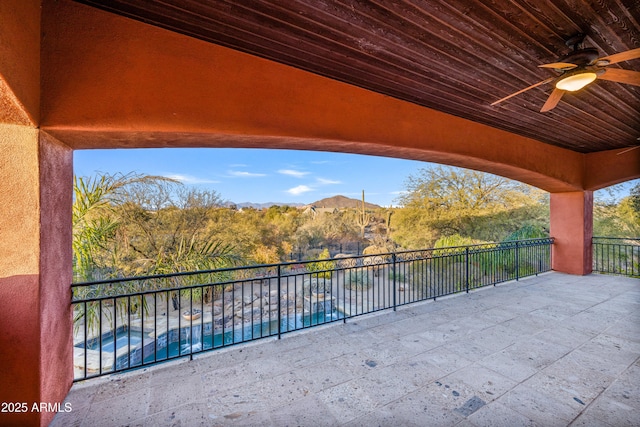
(552, 350)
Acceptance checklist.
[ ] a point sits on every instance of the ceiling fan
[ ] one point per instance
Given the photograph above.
(581, 67)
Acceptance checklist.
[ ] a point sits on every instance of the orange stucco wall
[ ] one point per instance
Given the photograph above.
(56, 340)
(35, 271)
(19, 61)
(114, 82)
(571, 219)
(19, 270)
(610, 167)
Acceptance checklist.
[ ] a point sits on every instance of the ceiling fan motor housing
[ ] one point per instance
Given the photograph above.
(581, 57)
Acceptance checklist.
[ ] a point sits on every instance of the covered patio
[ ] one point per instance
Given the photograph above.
(551, 350)
(412, 80)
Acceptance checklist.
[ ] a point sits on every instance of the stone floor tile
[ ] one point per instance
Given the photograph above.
(559, 334)
(184, 390)
(498, 315)
(439, 335)
(192, 414)
(587, 420)
(540, 407)
(237, 403)
(528, 325)
(347, 401)
(498, 415)
(504, 364)
(469, 350)
(617, 355)
(614, 412)
(536, 352)
(480, 381)
(323, 375)
(124, 409)
(121, 384)
(309, 411)
(626, 389)
(627, 328)
(386, 385)
(416, 370)
(495, 338)
(419, 408)
(445, 359)
(414, 344)
(74, 418)
(573, 387)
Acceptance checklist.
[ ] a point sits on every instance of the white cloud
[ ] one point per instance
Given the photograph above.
(243, 174)
(294, 173)
(300, 189)
(324, 181)
(188, 179)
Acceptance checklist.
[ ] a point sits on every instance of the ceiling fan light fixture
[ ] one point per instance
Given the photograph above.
(576, 81)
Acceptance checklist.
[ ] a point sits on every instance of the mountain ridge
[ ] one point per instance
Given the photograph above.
(341, 202)
(334, 202)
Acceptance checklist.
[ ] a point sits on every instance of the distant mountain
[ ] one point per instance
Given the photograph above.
(265, 205)
(341, 202)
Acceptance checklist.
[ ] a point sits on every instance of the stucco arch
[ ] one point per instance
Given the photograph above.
(112, 82)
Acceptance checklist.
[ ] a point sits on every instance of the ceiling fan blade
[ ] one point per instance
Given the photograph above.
(621, 76)
(523, 90)
(622, 56)
(628, 149)
(559, 65)
(553, 100)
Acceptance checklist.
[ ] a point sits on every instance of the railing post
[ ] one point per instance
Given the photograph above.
(393, 258)
(517, 261)
(466, 261)
(279, 301)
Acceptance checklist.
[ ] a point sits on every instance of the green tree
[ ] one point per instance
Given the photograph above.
(443, 201)
(95, 221)
(616, 219)
(635, 199)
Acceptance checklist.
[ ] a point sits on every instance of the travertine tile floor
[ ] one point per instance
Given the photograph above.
(551, 350)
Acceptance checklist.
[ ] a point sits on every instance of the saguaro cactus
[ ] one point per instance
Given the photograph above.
(363, 219)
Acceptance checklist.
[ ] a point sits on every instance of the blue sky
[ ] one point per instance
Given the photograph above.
(260, 176)
(253, 175)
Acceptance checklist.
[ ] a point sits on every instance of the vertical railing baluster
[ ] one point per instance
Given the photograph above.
(280, 301)
(517, 261)
(394, 284)
(100, 337)
(155, 326)
(466, 262)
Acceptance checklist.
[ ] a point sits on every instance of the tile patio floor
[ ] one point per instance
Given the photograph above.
(551, 350)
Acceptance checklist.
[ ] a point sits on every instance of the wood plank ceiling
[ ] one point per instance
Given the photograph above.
(456, 56)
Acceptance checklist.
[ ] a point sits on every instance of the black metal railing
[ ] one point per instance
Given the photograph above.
(613, 255)
(127, 323)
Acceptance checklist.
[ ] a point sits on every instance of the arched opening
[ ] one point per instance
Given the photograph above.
(76, 78)
(146, 223)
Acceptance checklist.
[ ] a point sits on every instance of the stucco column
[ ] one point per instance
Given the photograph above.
(36, 363)
(572, 227)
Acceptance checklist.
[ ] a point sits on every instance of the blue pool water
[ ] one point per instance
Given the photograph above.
(192, 340)
(235, 336)
(122, 340)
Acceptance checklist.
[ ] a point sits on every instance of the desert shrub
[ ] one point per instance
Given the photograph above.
(357, 280)
(323, 267)
(397, 276)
